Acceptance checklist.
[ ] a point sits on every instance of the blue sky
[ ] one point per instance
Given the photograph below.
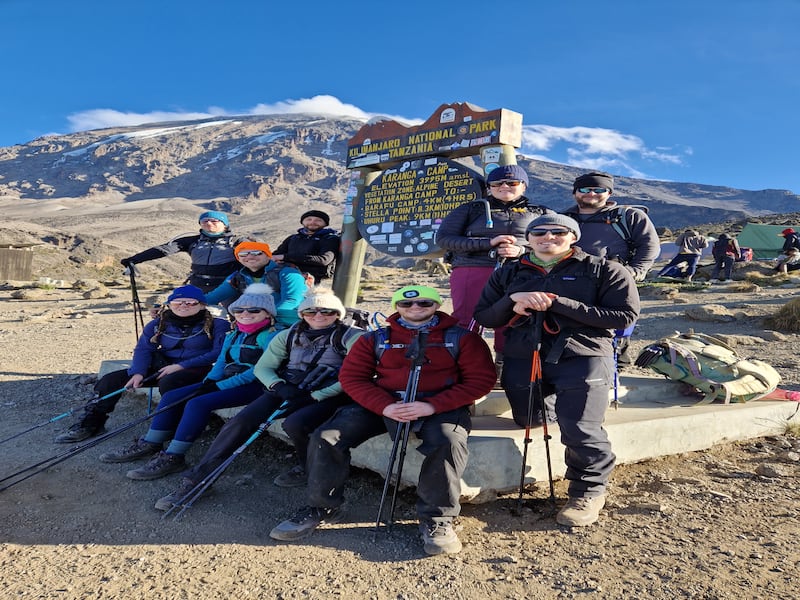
(703, 91)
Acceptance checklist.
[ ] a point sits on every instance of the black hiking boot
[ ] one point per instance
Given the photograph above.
(294, 477)
(304, 522)
(159, 466)
(172, 499)
(78, 432)
(138, 449)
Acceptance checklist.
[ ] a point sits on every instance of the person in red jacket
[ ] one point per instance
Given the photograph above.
(449, 384)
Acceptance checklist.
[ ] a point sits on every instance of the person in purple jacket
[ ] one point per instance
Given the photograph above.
(178, 346)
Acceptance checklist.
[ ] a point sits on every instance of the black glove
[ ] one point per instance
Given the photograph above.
(206, 387)
(289, 392)
(126, 262)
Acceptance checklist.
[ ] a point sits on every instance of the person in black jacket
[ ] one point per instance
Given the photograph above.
(481, 235)
(580, 300)
(314, 248)
(211, 251)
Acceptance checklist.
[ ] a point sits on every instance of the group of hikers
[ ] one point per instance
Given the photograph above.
(557, 289)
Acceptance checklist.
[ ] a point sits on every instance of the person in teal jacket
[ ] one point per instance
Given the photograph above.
(231, 382)
(287, 282)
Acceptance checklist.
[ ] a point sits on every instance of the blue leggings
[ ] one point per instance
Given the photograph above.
(186, 422)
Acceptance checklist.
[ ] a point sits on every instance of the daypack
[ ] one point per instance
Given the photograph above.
(618, 219)
(709, 366)
(745, 255)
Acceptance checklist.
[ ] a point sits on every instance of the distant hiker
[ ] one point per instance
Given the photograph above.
(790, 261)
(231, 382)
(314, 248)
(725, 251)
(448, 386)
(791, 239)
(690, 248)
(211, 251)
(300, 366)
(579, 300)
(287, 282)
(481, 235)
(180, 345)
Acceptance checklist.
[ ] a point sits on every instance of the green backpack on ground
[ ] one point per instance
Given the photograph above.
(711, 367)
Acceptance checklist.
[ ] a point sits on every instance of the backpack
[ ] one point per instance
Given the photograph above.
(452, 341)
(618, 219)
(709, 366)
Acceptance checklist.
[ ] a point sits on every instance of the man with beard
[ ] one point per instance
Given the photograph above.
(314, 248)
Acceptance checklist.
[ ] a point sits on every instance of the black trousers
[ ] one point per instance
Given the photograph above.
(444, 445)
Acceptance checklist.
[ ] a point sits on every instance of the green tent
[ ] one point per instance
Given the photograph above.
(765, 240)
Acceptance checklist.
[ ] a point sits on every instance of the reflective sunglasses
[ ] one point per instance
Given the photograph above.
(253, 311)
(410, 303)
(325, 312)
(210, 221)
(509, 183)
(555, 232)
(184, 302)
(594, 190)
(244, 253)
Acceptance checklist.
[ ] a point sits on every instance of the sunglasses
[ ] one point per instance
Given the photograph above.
(252, 311)
(410, 303)
(210, 221)
(325, 312)
(511, 183)
(555, 232)
(184, 303)
(244, 253)
(593, 190)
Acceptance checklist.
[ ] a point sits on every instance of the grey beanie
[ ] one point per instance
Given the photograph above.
(256, 295)
(322, 299)
(556, 219)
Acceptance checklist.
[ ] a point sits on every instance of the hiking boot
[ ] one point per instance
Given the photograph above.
(170, 500)
(79, 432)
(304, 522)
(161, 465)
(138, 449)
(439, 537)
(294, 477)
(580, 512)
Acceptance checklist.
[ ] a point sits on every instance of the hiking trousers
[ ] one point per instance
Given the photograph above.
(577, 389)
(444, 446)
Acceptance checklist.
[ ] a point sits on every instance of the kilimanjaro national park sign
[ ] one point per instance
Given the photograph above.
(399, 211)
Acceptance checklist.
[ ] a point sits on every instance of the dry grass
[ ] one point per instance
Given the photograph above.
(787, 318)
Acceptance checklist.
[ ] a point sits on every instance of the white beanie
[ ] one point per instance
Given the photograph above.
(322, 299)
(255, 295)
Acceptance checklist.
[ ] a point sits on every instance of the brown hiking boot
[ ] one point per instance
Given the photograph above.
(580, 512)
(138, 449)
(159, 466)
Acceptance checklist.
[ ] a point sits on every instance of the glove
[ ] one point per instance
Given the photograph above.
(291, 393)
(126, 262)
(206, 387)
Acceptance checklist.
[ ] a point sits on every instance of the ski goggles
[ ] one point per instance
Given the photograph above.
(543, 232)
(593, 190)
(508, 182)
(325, 312)
(244, 253)
(410, 303)
(253, 311)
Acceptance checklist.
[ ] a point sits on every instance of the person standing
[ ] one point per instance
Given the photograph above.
(178, 346)
(211, 251)
(287, 282)
(314, 248)
(568, 303)
(448, 385)
(725, 251)
(300, 366)
(690, 248)
(483, 234)
(230, 383)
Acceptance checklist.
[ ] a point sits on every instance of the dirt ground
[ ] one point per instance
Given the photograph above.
(717, 524)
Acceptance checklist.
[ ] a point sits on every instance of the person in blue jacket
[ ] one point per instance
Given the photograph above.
(287, 282)
(231, 382)
(178, 346)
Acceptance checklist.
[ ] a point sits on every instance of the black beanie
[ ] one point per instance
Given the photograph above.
(594, 179)
(316, 213)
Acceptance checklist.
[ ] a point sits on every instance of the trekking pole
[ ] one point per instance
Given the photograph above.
(535, 389)
(45, 464)
(138, 317)
(68, 413)
(416, 352)
(194, 494)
